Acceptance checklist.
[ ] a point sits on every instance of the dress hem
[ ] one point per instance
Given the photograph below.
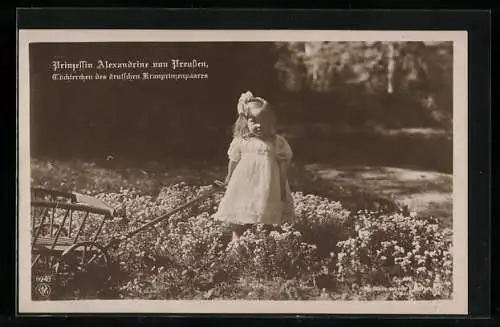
(234, 219)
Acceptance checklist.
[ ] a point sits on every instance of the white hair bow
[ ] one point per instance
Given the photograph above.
(244, 98)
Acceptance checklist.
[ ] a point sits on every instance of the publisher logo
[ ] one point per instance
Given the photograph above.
(43, 290)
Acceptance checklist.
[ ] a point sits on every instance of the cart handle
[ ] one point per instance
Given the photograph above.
(217, 185)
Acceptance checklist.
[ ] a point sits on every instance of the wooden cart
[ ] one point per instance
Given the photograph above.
(65, 230)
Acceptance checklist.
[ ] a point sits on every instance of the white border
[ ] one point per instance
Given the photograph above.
(458, 305)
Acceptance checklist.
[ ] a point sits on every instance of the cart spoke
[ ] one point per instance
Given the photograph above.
(92, 259)
(37, 258)
(98, 258)
(83, 254)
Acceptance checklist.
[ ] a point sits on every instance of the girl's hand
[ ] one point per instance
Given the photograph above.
(283, 194)
(230, 168)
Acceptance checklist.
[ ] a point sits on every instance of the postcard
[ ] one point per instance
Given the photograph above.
(242, 171)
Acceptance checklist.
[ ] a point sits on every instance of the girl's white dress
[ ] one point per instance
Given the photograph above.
(253, 194)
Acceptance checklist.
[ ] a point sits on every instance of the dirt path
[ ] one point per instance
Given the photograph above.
(426, 193)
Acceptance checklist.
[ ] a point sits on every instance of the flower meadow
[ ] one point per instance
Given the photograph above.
(329, 253)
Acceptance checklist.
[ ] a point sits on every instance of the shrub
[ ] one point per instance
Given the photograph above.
(321, 221)
(407, 257)
(276, 254)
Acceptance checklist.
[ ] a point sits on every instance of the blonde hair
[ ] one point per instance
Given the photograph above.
(240, 128)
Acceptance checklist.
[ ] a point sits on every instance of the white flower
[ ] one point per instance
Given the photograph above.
(363, 234)
(421, 270)
(274, 234)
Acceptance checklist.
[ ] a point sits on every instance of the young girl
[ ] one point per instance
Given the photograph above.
(257, 184)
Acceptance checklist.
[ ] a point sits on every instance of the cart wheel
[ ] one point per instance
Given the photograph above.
(88, 265)
(86, 257)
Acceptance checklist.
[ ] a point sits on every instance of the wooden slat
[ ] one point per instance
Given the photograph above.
(73, 206)
(54, 193)
(47, 241)
(74, 198)
(42, 249)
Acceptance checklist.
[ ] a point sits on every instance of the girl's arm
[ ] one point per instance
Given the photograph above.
(234, 154)
(284, 156)
(283, 178)
(230, 168)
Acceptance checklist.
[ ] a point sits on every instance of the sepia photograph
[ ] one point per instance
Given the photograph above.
(243, 171)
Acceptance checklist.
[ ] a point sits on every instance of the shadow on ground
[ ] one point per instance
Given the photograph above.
(420, 149)
(426, 193)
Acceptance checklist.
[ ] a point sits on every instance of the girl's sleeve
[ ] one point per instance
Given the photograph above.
(284, 151)
(234, 151)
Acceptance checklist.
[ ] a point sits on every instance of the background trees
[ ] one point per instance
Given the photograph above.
(386, 80)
